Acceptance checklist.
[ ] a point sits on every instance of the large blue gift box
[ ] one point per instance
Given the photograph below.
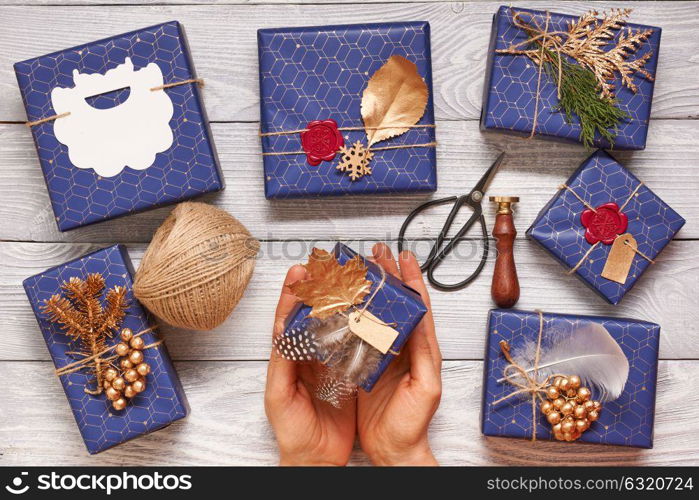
(627, 421)
(509, 95)
(120, 143)
(598, 181)
(395, 303)
(320, 73)
(163, 401)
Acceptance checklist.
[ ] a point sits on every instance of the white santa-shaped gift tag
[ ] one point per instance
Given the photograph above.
(127, 135)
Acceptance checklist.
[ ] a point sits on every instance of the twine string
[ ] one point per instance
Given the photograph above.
(80, 364)
(384, 148)
(363, 309)
(573, 269)
(198, 81)
(345, 129)
(548, 41)
(529, 384)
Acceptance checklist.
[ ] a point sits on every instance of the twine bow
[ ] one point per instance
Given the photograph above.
(81, 363)
(573, 269)
(548, 41)
(519, 377)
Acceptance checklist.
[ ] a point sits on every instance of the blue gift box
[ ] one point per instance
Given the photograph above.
(627, 421)
(395, 303)
(509, 95)
(175, 170)
(319, 73)
(599, 180)
(163, 400)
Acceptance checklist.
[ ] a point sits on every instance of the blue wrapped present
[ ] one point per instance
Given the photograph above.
(394, 303)
(119, 125)
(624, 206)
(163, 400)
(510, 91)
(626, 421)
(316, 77)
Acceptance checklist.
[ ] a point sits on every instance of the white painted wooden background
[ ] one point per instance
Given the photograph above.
(223, 371)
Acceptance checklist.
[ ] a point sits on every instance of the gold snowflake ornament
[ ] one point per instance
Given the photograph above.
(355, 160)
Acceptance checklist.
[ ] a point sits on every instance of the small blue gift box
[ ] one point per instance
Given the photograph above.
(115, 141)
(163, 400)
(509, 95)
(627, 421)
(320, 73)
(394, 303)
(601, 180)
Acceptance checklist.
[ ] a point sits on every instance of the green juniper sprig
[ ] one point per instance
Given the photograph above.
(579, 96)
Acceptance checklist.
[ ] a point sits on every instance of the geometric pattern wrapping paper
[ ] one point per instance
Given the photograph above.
(394, 303)
(626, 421)
(601, 179)
(189, 167)
(159, 405)
(509, 94)
(320, 73)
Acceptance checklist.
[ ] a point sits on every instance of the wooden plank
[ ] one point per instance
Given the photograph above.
(533, 170)
(227, 425)
(212, 2)
(224, 46)
(665, 294)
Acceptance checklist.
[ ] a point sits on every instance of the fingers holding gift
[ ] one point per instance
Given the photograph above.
(412, 275)
(384, 257)
(281, 373)
(424, 339)
(287, 300)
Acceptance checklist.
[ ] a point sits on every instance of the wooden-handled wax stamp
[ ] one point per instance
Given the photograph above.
(505, 287)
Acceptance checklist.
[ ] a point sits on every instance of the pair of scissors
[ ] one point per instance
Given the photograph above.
(437, 253)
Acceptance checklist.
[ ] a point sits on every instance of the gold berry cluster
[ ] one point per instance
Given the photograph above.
(124, 385)
(568, 408)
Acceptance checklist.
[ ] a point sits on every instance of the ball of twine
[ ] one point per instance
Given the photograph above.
(197, 267)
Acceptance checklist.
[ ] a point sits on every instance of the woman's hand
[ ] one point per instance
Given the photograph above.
(309, 431)
(392, 419)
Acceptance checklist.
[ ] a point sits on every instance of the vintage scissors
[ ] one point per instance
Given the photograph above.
(437, 253)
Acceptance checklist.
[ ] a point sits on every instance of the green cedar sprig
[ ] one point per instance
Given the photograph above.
(579, 96)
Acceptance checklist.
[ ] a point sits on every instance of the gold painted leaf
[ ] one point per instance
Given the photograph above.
(394, 100)
(330, 287)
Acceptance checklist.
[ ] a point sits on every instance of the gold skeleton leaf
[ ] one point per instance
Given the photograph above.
(330, 287)
(393, 101)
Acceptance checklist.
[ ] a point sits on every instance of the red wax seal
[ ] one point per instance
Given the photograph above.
(321, 141)
(604, 223)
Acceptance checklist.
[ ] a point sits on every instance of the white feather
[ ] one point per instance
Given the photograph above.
(356, 359)
(586, 350)
(330, 332)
